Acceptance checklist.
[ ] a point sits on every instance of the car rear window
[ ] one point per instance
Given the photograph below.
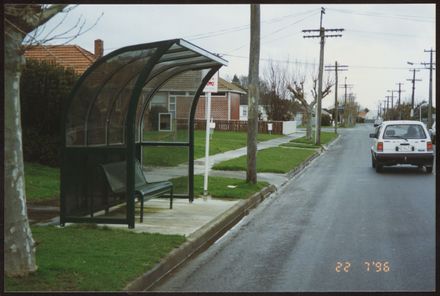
(404, 131)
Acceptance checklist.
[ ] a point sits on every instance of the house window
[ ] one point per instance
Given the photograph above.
(244, 112)
(160, 99)
(165, 122)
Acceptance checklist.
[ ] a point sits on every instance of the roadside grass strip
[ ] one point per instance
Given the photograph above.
(271, 160)
(326, 137)
(221, 187)
(88, 258)
(300, 145)
(42, 182)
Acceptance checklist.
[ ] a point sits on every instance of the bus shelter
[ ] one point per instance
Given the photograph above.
(134, 105)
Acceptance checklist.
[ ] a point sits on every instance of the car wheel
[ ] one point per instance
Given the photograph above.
(379, 168)
(429, 169)
(373, 163)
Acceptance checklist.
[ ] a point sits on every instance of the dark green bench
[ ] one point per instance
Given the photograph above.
(116, 175)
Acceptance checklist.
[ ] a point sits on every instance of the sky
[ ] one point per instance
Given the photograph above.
(378, 40)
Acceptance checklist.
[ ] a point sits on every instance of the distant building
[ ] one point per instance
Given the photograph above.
(69, 56)
(225, 104)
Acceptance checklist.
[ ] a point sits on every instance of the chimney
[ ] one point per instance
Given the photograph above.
(99, 48)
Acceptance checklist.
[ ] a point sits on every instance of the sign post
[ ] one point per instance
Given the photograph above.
(211, 87)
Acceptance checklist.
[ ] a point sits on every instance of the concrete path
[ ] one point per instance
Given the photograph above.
(184, 219)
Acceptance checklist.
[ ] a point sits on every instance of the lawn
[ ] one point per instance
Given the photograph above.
(326, 137)
(273, 160)
(42, 182)
(87, 258)
(220, 142)
(221, 187)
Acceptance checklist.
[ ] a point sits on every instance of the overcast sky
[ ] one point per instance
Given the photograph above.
(377, 42)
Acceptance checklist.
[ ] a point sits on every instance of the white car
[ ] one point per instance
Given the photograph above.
(402, 142)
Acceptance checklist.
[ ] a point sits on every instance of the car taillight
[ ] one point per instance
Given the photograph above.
(429, 146)
(379, 146)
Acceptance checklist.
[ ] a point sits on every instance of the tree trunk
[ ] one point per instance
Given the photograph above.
(253, 95)
(19, 248)
(309, 124)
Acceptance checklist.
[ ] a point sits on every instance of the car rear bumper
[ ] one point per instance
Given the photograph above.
(404, 158)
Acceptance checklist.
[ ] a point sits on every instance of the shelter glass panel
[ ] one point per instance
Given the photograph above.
(175, 97)
(86, 94)
(119, 86)
(162, 163)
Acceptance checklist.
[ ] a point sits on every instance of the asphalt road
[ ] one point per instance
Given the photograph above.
(324, 229)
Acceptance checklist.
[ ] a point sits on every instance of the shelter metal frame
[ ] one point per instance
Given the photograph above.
(154, 63)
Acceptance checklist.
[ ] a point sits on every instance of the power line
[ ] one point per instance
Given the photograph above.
(239, 28)
(276, 31)
(383, 33)
(309, 63)
(423, 19)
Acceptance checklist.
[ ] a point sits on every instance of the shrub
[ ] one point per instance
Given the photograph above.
(326, 120)
(44, 88)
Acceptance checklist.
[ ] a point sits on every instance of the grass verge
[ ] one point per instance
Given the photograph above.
(221, 187)
(325, 138)
(87, 258)
(42, 182)
(272, 160)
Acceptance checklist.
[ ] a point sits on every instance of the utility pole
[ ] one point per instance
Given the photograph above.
(413, 80)
(379, 109)
(345, 98)
(398, 102)
(430, 87)
(321, 65)
(392, 103)
(253, 95)
(336, 68)
(388, 107)
(392, 97)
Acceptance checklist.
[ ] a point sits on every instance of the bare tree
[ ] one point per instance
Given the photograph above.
(253, 95)
(297, 92)
(273, 92)
(22, 23)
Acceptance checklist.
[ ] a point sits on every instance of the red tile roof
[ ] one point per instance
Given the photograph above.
(72, 56)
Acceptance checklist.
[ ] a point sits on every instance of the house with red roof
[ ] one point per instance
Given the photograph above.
(69, 56)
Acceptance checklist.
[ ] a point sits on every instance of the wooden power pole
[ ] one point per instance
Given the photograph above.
(336, 68)
(430, 87)
(322, 36)
(253, 95)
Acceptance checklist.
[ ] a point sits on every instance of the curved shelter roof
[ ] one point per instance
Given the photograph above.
(117, 81)
(122, 103)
